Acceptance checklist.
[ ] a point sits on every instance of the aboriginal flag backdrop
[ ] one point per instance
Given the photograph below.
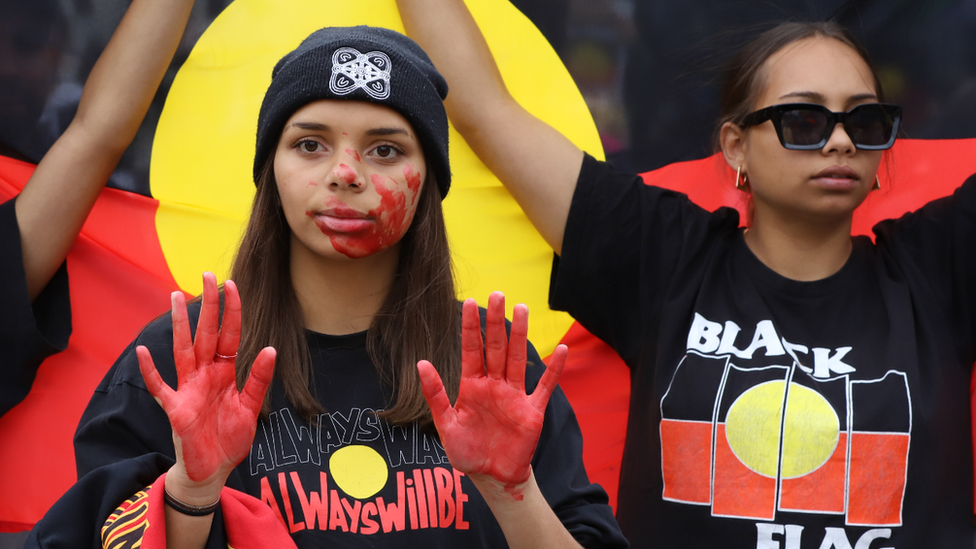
(179, 199)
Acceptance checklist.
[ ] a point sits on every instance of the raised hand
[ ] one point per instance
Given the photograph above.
(493, 428)
(213, 424)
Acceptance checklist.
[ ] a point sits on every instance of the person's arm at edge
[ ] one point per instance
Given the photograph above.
(62, 190)
(537, 164)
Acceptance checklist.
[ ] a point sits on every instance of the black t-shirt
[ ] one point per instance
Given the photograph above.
(771, 413)
(29, 332)
(352, 479)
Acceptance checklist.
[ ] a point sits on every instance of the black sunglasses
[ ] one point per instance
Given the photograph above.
(807, 126)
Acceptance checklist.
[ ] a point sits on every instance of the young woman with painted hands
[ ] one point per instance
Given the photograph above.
(792, 386)
(342, 285)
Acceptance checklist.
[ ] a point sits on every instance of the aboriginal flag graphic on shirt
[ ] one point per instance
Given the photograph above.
(777, 439)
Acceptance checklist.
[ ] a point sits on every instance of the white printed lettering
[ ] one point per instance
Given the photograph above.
(764, 537)
(765, 540)
(728, 340)
(871, 535)
(792, 349)
(824, 364)
(767, 337)
(835, 538)
(703, 335)
(710, 337)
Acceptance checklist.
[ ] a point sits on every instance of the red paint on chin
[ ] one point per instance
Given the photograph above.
(353, 153)
(392, 218)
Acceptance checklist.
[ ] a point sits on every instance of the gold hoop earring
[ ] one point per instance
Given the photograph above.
(877, 184)
(738, 172)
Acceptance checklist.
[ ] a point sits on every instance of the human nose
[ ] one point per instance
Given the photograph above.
(346, 173)
(839, 141)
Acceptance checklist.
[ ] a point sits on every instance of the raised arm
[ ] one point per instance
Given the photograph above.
(537, 164)
(57, 198)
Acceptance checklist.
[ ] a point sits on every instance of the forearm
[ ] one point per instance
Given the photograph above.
(525, 517)
(55, 202)
(537, 164)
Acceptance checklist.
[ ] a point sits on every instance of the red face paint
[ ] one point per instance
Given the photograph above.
(413, 181)
(354, 154)
(356, 235)
(345, 174)
(341, 220)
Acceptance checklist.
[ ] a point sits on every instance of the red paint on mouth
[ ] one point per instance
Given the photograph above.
(354, 154)
(341, 220)
(389, 221)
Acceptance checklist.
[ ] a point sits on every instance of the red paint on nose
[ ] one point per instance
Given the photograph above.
(354, 154)
(345, 174)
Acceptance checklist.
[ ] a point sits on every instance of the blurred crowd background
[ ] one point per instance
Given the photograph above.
(649, 70)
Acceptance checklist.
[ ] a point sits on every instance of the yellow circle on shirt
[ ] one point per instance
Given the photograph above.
(359, 471)
(204, 147)
(755, 423)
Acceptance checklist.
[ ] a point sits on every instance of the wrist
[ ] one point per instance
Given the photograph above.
(494, 490)
(198, 494)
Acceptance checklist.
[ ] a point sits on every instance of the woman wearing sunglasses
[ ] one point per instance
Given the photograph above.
(792, 386)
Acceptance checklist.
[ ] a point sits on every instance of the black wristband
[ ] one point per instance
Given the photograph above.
(186, 508)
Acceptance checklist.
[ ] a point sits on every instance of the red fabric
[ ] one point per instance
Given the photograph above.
(119, 281)
(249, 523)
(597, 383)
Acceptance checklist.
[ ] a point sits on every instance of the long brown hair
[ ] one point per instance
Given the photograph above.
(419, 319)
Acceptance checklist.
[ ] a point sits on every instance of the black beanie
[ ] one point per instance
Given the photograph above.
(362, 63)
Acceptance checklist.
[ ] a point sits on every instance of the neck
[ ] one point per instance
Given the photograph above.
(800, 249)
(341, 297)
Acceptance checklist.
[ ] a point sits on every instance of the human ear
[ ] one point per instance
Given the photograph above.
(732, 138)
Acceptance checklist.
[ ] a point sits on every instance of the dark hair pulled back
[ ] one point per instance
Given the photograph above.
(743, 78)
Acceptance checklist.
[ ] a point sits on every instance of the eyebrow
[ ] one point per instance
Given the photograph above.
(819, 98)
(388, 131)
(312, 126)
(325, 128)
